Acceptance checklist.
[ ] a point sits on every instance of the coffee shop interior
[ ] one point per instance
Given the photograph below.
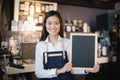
(21, 25)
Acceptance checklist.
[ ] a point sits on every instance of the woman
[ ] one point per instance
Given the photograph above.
(52, 52)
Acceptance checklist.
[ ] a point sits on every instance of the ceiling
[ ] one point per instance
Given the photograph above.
(101, 4)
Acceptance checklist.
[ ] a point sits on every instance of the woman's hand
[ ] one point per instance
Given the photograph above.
(95, 69)
(67, 67)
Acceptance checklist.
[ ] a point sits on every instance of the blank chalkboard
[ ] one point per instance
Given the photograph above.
(83, 52)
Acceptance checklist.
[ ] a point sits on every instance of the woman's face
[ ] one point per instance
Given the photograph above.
(53, 25)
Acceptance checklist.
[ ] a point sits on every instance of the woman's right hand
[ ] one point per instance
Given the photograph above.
(66, 68)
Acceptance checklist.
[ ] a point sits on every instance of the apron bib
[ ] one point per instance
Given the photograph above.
(56, 59)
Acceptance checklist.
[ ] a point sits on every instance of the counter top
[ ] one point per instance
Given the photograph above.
(31, 67)
(27, 68)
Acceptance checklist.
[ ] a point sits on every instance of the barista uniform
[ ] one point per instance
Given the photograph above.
(56, 59)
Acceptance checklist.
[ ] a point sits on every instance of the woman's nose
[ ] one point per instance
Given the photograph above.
(53, 25)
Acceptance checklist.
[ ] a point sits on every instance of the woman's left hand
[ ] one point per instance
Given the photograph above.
(95, 69)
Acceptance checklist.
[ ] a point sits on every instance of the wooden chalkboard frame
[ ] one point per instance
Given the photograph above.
(83, 62)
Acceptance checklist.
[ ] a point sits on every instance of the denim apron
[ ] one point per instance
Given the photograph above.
(56, 59)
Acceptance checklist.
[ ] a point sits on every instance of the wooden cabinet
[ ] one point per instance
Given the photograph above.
(30, 14)
(28, 19)
(111, 22)
(25, 8)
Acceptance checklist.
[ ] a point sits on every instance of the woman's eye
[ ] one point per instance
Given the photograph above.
(49, 23)
(56, 23)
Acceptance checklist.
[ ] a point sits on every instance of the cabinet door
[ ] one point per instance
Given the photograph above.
(102, 21)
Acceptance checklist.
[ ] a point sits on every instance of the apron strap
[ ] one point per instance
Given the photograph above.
(46, 50)
(63, 48)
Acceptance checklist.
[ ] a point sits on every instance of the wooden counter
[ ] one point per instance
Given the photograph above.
(31, 67)
(27, 68)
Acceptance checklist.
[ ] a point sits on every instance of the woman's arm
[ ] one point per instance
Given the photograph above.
(95, 69)
(67, 68)
(40, 72)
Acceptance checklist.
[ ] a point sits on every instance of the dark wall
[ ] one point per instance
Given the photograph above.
(102, 21)
(7, 6)
(76, 12)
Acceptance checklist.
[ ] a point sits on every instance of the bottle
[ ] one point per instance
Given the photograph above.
(31, 12)
(40, 19)
(99, 50)
(22, 6)
(104, 49)
(85, 27)
(10, 58)
(68, 27)
(73, 28)
(80, 22)
(66, 23)
(75, 25)
(88, 29)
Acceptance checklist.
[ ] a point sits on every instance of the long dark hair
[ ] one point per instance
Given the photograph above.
(44, 31)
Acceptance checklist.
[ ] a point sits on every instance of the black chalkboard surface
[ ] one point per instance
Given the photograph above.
(83, 52)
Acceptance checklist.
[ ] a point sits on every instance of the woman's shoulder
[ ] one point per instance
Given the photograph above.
(66, 40)
(41, 43)
(66, 43)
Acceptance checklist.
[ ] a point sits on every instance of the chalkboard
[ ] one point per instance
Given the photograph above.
(83, 52)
